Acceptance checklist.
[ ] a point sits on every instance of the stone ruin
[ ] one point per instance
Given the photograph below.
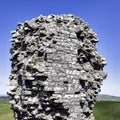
(56, 70)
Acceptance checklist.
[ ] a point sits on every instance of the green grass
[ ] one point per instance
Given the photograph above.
(5, 111)
(103, 110)
(107, 110)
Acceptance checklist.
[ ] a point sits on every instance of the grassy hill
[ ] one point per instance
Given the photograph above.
(107, 110)
(5, 111)
(4, 98)
(108, 97)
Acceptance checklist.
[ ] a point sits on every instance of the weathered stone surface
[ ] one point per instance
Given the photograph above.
(56, 70)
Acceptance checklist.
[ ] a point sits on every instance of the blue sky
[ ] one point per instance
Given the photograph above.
(102, 15)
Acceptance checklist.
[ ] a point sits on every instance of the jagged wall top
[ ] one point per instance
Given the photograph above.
(48, 26)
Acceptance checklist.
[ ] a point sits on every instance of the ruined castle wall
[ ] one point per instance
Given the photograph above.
(56, 71)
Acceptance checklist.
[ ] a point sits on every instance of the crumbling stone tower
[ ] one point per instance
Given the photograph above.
(56, 71)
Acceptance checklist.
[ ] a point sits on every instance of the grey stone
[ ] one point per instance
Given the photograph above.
(56, 71)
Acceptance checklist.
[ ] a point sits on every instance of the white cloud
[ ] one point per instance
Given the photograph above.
(4, 81)
(111, 87)
(3, 89)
